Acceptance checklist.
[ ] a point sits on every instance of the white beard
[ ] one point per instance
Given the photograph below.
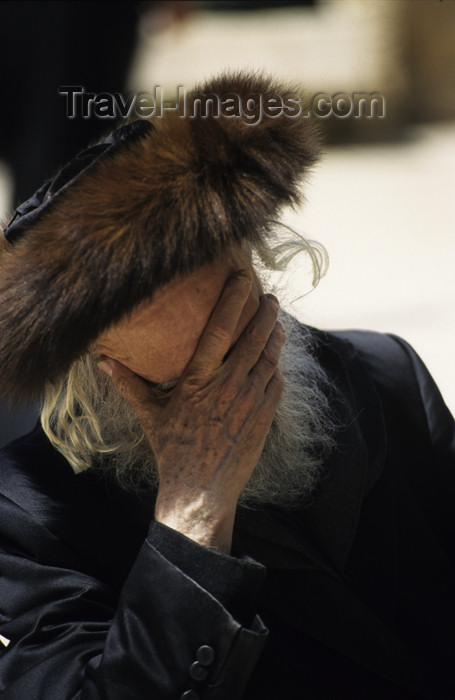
(300, 438)
(299, 441)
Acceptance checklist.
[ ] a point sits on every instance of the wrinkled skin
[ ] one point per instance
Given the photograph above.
(209, 431)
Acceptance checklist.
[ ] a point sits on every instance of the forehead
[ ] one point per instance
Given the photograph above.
(159, 337)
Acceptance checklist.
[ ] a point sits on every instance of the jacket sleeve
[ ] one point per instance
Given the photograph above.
(440, 431)
(420, 423)
(66, 635)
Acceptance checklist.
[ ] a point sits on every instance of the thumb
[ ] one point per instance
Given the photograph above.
(129, 385)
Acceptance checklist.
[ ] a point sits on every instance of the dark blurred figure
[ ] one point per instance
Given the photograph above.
(44, 45)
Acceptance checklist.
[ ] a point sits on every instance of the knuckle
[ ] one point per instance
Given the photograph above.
(251, 394)
(258, 335)
(219, 335)
(229, 390)
(270, 357)
(279, 331)
(191, 387)
(197, 386)
(278, 383)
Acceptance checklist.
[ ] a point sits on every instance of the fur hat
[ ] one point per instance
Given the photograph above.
(134, 211)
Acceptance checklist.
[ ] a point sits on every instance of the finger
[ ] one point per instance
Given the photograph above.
(265, 367)
(217, 336)
(272, 395)
(254, 338)
(129, 385)
(274, 390)
(258, 392)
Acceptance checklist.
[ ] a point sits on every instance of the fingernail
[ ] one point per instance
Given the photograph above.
(273, 298)
(243, 276)
(106, 366)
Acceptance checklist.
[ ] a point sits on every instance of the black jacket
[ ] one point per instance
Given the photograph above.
(357, 589)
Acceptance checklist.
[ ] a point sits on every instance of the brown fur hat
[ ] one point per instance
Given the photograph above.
(162, 204)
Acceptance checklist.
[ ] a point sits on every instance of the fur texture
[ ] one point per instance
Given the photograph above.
(161, 206)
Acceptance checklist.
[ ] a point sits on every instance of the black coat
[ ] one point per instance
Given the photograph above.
(357, 589)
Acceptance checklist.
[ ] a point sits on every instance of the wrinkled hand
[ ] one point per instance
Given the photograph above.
(209, 434)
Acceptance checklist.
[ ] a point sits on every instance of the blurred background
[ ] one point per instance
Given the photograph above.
(381, 200)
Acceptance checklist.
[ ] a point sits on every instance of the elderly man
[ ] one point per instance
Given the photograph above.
(219, 502)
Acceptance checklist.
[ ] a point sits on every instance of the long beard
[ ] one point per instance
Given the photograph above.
(300, 439)
(296, 447)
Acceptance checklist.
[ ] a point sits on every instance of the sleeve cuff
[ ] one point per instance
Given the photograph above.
(233, 581)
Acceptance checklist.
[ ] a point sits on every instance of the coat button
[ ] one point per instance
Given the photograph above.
(189, 695)
(205, 655)
(198, 672)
